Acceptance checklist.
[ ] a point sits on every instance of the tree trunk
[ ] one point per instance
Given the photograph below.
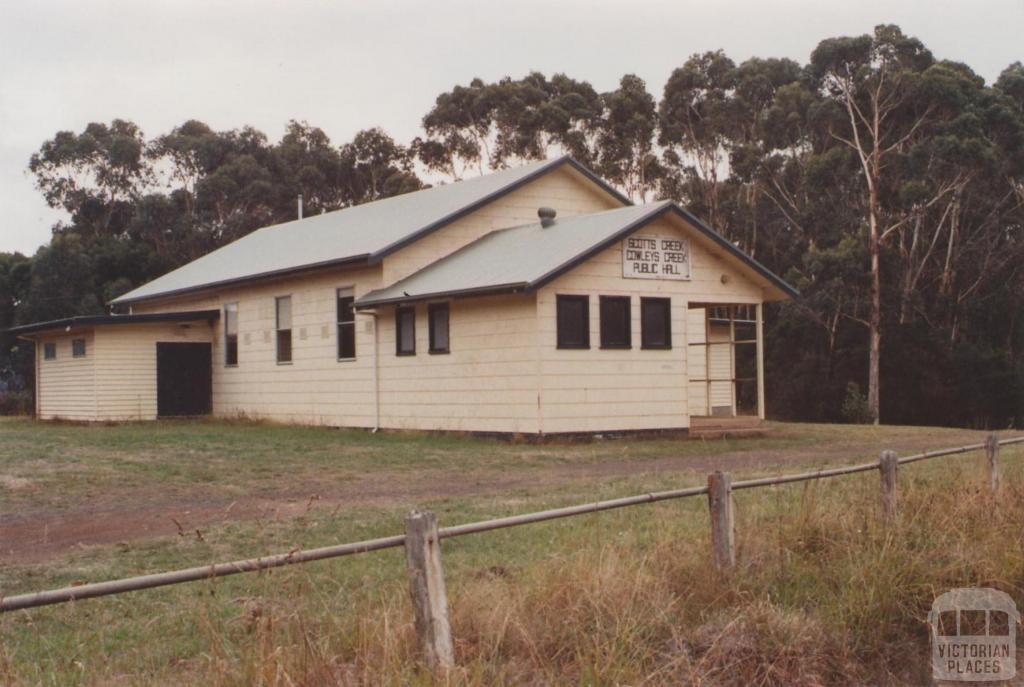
(875, 317)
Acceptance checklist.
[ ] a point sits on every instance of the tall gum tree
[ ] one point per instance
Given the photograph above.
(873, 81)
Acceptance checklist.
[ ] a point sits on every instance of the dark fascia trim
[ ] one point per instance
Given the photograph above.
(491, 197)
(241, 280)
(105, 320)
(669, 206)
(499, 289)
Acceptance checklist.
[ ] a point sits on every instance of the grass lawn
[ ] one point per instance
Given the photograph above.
(623, 597)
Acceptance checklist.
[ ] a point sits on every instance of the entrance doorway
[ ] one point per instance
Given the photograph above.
(184, 379)
(722, 360)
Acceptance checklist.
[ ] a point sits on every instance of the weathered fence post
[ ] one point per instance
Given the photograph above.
(426, 585)
(723, 526)
(888, 466)
(992, 462)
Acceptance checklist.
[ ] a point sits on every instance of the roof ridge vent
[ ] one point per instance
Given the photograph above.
(547, 216)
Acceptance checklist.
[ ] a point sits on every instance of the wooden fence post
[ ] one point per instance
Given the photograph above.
(992, 462)
(889, 466)
(723, 526)
(426, 585)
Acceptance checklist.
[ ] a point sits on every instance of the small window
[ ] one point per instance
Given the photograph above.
(405, 331)
(615, 322)
(231, 334)
(78, 348)
(573, 321)
(655, 323)
(438, 325)
(284, 329)
(346, 324)
(49, 351)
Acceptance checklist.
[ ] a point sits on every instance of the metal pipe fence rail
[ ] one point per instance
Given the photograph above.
(423, 536)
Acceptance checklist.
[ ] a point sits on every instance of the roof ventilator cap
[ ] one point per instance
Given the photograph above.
(547, 216)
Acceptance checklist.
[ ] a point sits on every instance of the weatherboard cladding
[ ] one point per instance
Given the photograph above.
(526, 257)
(361, 233)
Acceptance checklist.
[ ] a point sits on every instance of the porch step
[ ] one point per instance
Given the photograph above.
(719, 427)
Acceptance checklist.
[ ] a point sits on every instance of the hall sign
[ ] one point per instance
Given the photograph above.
(655, 257)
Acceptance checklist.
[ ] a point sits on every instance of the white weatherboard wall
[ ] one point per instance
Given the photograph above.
(487, 383)
(66, 387)
(606, 390)
(125, 360)
(316, 387)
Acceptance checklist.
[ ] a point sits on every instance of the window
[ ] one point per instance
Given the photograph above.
(405, 331)
(346, 324)
(655, 323)
(78, 348)
(615, 322)
(573, 321)
(231, 334)
(437, 319)
(49, 351)
(284, 328)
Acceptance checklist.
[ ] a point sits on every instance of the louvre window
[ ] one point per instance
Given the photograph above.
(231, 334)
(573, 321)
(346, 325)
(284, 328)
(615, 322)
(78, 348)
(655, 323)
(405, 331)
(49, 351)
(438, 320)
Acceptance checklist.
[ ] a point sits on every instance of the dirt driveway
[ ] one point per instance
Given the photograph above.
(153, 505)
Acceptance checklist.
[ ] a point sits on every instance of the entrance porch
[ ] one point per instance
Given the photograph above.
(725, 361)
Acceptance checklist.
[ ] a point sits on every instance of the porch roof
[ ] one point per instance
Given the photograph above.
(81, 321)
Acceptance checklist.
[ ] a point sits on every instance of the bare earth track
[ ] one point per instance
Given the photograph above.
(37, 530)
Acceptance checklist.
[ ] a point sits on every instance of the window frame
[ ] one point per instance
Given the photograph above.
(230, 307)
(74, 347)
(628, 324)
(399, 312)
(559, 340)
(278, 330)
(47, 347)
(646, 302)
(344, 323)
(431, 309)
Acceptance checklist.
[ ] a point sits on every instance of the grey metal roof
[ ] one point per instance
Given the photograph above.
(527, 257)
(360, 233)
(105, 320)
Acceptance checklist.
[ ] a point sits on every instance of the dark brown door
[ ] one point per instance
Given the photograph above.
(184, 384)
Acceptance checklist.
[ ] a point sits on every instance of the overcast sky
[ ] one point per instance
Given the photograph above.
(344, 66)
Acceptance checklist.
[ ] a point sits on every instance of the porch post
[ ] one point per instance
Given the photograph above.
(760, 359)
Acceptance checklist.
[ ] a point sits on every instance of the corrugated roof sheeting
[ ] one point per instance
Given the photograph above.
(527, 257)
(355, 233)
(519, 256)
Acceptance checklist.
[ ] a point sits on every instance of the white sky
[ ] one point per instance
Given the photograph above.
(348, 65)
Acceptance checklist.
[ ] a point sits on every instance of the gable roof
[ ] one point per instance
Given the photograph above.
(526, 258)
(362, 233)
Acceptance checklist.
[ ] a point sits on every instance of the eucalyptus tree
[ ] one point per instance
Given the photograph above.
(695, 124)
(874, 83)
(626, 155)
